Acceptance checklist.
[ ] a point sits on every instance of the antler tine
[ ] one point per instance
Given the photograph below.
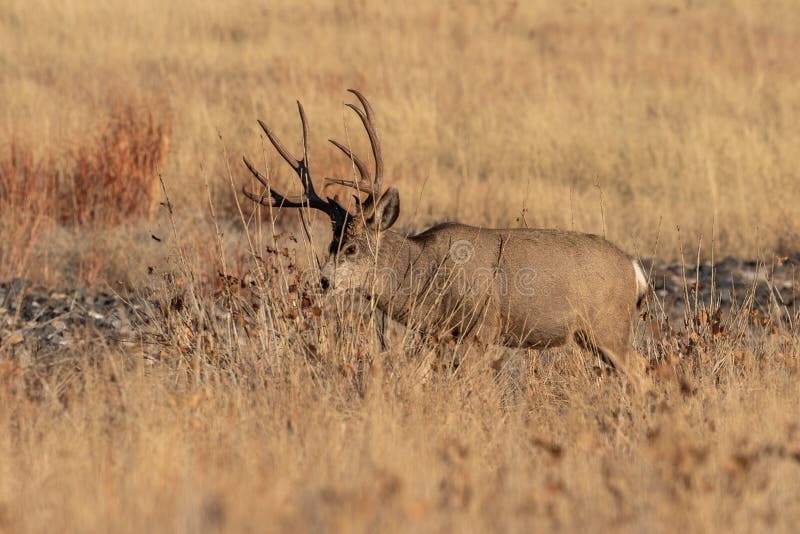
(368, 119)
(354, 184)
(278, 200)
(305, 174)
(364, 102)
(252, 168)
(305, 131)
(285, 154)
(362, 168)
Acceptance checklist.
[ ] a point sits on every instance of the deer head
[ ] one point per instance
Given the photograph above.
(355, 240)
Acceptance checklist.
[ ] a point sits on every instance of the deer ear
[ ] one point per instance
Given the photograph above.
(387, 210)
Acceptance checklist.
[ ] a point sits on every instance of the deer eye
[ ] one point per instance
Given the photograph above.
(350, 250)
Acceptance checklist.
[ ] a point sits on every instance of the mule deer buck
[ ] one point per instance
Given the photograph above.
(518, 287)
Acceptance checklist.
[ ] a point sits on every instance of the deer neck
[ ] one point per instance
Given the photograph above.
(398, 270)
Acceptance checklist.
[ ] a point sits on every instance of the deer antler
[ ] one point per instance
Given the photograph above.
(309, 198)
(370, 184)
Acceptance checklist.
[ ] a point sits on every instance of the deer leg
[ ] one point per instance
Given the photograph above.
(588, 343)
(380, 328)
(615, 351)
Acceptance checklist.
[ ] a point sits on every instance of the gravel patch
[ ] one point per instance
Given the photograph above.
(53, 319)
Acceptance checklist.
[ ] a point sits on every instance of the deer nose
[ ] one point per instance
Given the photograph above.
(324, 283)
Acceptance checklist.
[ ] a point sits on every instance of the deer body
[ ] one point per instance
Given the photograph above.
(519, 287)
(534, 288)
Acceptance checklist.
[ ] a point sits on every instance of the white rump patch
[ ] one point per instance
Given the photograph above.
(641, 279)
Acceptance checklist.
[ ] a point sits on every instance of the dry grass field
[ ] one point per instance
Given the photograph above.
(247, 401)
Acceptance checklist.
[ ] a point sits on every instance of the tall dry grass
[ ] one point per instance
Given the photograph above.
(263, 406)
(626, 118)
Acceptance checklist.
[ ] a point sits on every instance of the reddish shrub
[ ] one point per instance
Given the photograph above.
(24, 182)
(107, 180)
(117, 177)
(27, 191)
